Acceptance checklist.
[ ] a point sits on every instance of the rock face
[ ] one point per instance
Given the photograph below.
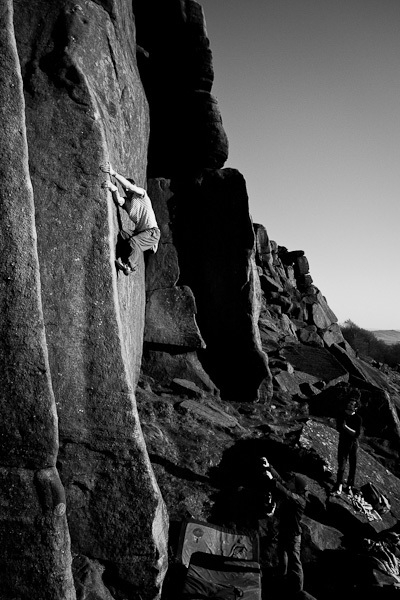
(84, 103)
(175, 63)
(35, 544)
(129, 402)
(217, 264)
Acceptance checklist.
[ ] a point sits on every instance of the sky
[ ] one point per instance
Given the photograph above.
(309, 92)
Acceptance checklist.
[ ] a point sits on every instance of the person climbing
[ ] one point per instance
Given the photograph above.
(293, 502)
(349, 425)
(137, 204)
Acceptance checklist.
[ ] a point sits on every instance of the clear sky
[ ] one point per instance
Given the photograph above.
(309, 92)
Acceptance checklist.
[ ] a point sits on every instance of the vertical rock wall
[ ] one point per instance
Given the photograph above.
(210, 222)
(35, 559)
(84, 104)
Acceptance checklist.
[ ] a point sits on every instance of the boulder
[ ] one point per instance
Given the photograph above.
(318, 362)
(263, 246)
(208, 411)
(301, 266)
(268, 284)
(287, 382)
(186, 387)
(162, 324)
(169, 363)
(289, 258)
(332, 335)
(318, 537)
(308, 335)
(319, 317)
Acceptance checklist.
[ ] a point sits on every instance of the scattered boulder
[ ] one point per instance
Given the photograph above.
(318, 362)
(162, 326)
(185, 387)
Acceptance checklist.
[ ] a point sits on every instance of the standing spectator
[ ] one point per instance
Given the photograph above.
(349, 426)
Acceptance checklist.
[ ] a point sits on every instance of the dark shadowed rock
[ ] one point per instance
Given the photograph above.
(301, 266)
(171, 331)
(187, 132)
(263, 246)
(162, 324)
(308, 335)
(162, 269)
(269, 285)
(217, 262)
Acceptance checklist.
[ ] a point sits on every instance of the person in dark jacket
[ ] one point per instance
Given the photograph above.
(349, 426)
(293, 500)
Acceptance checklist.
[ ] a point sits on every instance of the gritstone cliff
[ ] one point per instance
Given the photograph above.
(126, 402)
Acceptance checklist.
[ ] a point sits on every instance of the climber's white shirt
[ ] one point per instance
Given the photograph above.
(141, 213)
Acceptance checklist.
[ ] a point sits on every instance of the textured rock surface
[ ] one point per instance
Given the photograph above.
(35, 557)
(239, 354)
(84, 104)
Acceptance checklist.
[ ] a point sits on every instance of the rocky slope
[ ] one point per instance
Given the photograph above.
(129, 404)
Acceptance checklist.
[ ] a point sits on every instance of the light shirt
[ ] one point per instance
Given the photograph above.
(141, 212)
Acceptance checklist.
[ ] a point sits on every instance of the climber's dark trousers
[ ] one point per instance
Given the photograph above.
(347, 452)
(131, 245)
(289, 561)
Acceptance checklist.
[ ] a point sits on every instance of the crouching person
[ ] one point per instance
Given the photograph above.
(137, 204)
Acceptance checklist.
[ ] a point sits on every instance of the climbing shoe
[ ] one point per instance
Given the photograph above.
(126, 269)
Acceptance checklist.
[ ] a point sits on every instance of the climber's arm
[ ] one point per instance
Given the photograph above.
(128, 185)
(114, 191)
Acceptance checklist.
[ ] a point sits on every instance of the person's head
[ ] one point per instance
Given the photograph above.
(263, 462)
(352, 404)
(128, 191)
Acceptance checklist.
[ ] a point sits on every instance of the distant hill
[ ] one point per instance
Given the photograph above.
(389, 336)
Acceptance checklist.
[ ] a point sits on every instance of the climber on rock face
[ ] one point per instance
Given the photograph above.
(137, 204)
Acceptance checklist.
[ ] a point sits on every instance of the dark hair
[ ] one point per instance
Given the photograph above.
(353, 400)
